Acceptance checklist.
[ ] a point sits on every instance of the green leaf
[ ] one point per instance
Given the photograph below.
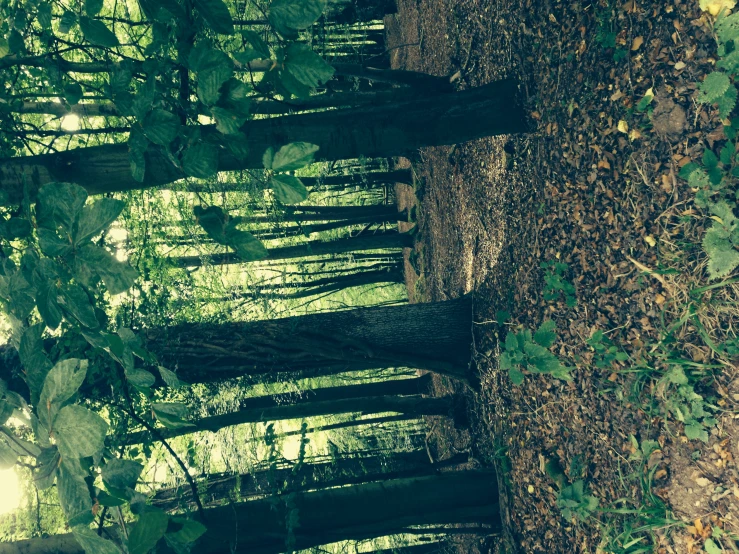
(79, 432)
(97, 33)
(4, 47)
(7, 456)
(713, 87)
(727, 102)
(93, 7)
(97, 217)
(677, 376)
(306, 66)
(171, 414)
(52, 245)
(294, 156)
(118, 276)
(216, 14)
(161, 127)
(121, 474)
(170, 377)
(268, 157)
(44, 15)
(227, 122)
(190, 531)
(288, 189)
(61, 383)
(137, 162)
(696, 431)
(709, 159)
(18, 228)
(59, 205)
(516, 376)
(712, 548)
(74, 496)
(212, 78)
(68, 19)
(224, 231)
(545, 335)
(200, 160)
(687, 169)
(289, 16)
(140, 378)
(91, 543)
(77, 303)
(33, 358)
(258, 48)
(722, 262)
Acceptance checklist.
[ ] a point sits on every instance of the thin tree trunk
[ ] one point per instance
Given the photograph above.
(371, 398)
(382, 131)
(347, 470)
(357, 512)
(379, 241)
(433, 336)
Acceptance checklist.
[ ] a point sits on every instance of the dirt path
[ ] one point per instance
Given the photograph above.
(596, 187)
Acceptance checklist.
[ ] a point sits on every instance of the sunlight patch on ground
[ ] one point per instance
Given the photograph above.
(10, 491)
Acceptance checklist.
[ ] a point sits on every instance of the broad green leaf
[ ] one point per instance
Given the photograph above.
(696, 431)
(161, 127)
(713, 87)
(75, 301)
(120, 78)
(294, 156)
(4, 47)
(170, 377)
(216, 15)
(61, 383)
(18, 293)
(79, 432)
(171, 414)
(97, 33)
(59, 205)
(268, 157)
(18, 228)
(150, 527)
(545, 335)
(306, 66)
(74, 496)
(212, 79)
(257, 48)
(288, 16)
(91, 543)
(33, 358)
(44, 15)
(7, 456)
(121, 474)
(97, 217)
(712, 548)
(677, 376)
(288, 189)
(516, 376)
(68, 19)
(118, 276)
(227, 122)
(140, 378)
(190, 532)
(727, 102)
(52, 245)
(93, 7)
(73, 93)
(235, 97)
(138, 165)
(225, 231)
(200, 160)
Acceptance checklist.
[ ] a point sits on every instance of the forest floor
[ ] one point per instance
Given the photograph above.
(594, 185)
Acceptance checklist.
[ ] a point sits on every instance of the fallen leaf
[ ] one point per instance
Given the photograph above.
(636, 43)
(714, 7)
(623, 126)
(680, 65)
(649, 239)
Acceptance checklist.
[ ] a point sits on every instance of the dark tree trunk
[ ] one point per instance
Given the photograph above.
(400, 395)
(378, 241)
(381, 131)
(433, 336)
(341, 472)
(357, 512)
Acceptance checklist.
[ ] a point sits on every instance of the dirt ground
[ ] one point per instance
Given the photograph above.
(594, 185)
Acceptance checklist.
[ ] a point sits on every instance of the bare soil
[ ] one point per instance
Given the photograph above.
(593, 185)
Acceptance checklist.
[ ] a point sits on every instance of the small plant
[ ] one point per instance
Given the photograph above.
(555, 284)
(574, 503)
(606, 353)
(688, 407)
(642, 451)
(525, 351)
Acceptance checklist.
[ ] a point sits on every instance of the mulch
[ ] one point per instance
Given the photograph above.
(594, 185)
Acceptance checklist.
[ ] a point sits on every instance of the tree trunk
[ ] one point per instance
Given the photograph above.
(378, 241)
(344, 471)
(421, 548)
(357, 512)
(433, 336)
(399, 395)
(382, 131)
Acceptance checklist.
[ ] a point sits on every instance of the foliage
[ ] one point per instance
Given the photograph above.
(606, 352)
(686, 405)
(525, 351)
(555, 284)
(575, 503)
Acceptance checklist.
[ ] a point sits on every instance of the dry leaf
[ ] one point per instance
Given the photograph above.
(636, 43)
(714, 7)
(623, 126)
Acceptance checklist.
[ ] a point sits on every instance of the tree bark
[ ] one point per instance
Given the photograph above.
(381, 131)
(378, 241)
(344, 471)
(357, 512)
(400, 395)
(433, 336)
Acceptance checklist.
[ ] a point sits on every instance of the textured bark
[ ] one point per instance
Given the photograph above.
(311, 406)
(377, 241)
(379, 131)
(356, 512)
(432, 336)
(347, 470)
